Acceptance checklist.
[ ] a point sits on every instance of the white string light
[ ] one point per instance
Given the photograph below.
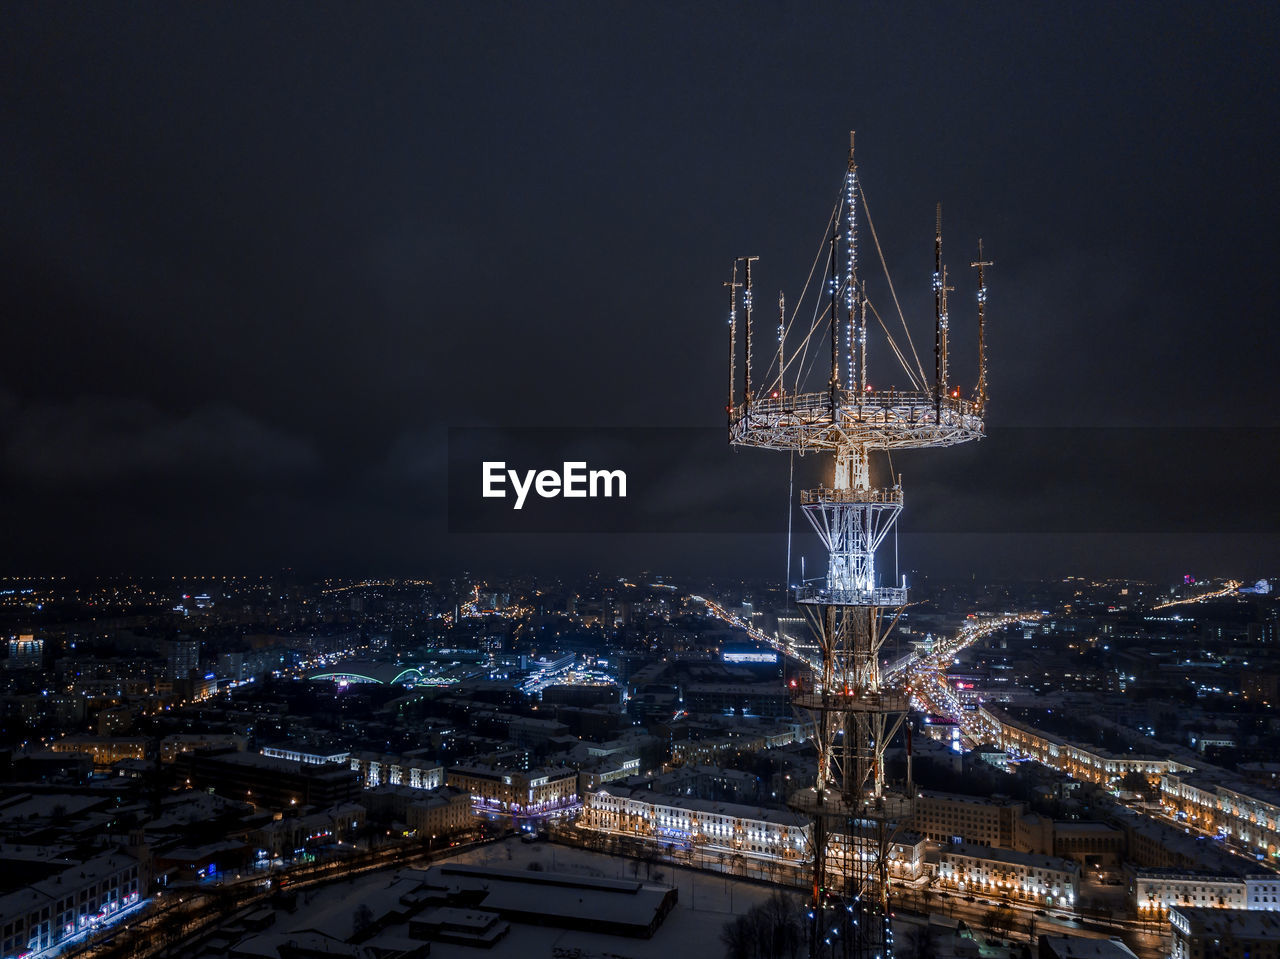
(851, 269)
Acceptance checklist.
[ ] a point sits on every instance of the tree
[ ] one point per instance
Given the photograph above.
(926, 896)
(737, 939)
(773, 929)
(361, 919)
(650, 860)
(926, 942)
(1136, 782)
(999, 919)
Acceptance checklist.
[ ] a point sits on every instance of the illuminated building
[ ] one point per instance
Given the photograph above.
(80, 899)
(1155, 891)
(685, 820)
(984, 870)
(755, 657)
(517, 793)
(1088, 763)
(1224, 934)
(105, 750)
(1247, 813)
(25, 651)
(710, 827)
(444, 812)
(382, 674)
(309, 756)
(376, 769)
(184, 658)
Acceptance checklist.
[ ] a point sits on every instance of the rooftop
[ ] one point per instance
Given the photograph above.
(1237, 923)
(1079, 947)
(1010, 856)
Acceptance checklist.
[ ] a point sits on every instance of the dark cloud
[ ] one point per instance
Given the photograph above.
(293, 246)
(89, 441)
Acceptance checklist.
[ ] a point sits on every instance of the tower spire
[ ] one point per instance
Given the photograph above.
(747, 305)
(782, 332)
(938, 385)
(981, 398)
(733, 333)
(851, 270)
(856, 802)
(835, 319)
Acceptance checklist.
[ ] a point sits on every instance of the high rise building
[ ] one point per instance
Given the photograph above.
(184, 657)
(25, 651)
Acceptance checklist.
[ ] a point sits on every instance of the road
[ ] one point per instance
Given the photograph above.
(1027, 920)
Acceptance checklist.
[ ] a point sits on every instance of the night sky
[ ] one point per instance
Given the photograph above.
(257, 259)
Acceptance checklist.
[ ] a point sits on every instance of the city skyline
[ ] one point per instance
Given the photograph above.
(1087, 762)
(392, 566)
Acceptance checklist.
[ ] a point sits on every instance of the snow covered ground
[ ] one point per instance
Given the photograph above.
(706, 903)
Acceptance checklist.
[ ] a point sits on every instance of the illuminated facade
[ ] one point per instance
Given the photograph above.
(105, 750)
(1249, 814)
(445, 812)
(688, 822)
(25, 651)
(307, 756)
(1156, 891)
(712, 827)
(1014, 875)
(1087, 763)
(376, 769)
(536, 793)
(183, 658)
(85, 897)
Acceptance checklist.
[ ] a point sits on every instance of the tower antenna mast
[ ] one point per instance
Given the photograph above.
(862, 339)
(851, 266)
(747, 305)
(733, 332)
(855, 805)
(835, 319)
(938, 386)
(946, 332)
(782, 332)
(981, 397)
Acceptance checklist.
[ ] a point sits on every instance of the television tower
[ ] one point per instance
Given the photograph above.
(855, 807)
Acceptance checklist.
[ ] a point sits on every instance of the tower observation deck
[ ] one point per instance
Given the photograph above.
(856, 808)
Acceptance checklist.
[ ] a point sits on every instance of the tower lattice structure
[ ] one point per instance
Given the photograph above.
(856, 808)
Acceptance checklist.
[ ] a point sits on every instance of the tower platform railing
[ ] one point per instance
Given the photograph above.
(825, 596)
(890, 496)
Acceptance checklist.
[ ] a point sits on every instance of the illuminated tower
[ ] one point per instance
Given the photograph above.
(855, 807)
